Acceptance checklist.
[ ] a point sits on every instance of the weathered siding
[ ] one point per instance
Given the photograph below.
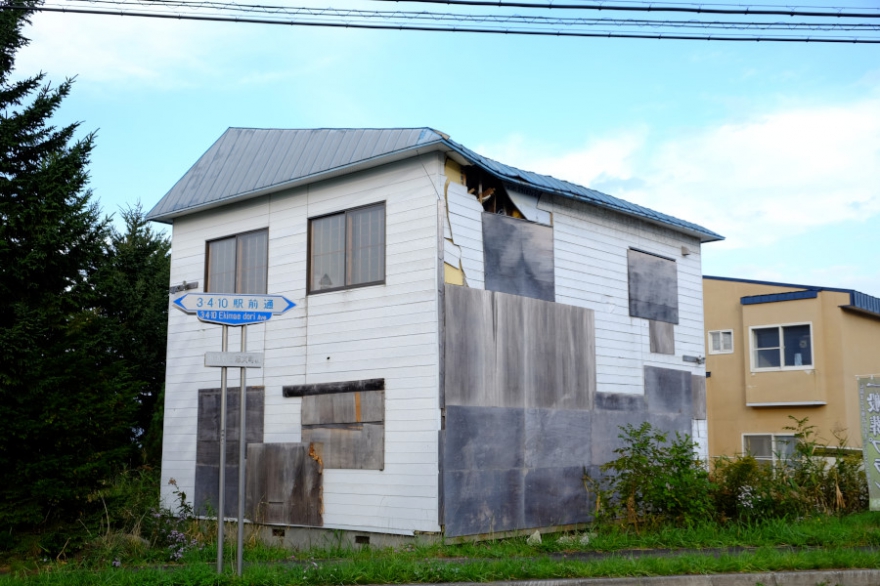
(591, 247)
(385, 331)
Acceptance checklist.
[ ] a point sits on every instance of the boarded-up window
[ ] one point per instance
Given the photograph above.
(653, 287)
(238, 264)
(518, 257)
(347, 249)
(205, 499)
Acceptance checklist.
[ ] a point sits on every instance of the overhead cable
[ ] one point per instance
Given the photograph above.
(454, 29)
(649, 7)
(514, 19)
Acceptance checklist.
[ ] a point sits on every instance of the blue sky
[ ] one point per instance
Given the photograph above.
(776, 146)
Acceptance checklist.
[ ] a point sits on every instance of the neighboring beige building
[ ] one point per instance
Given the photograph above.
(776, 349)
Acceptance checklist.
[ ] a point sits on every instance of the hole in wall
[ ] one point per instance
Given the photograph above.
(277, 532)
(362, 539)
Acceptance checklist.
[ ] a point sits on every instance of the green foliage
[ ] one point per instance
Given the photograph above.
(815, 479)
(133, 282)
(65, 403)
(82, 323)
(654, 481)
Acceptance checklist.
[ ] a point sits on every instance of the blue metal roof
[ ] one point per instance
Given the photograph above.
(774, 297)
(857, 301)
(247, 162)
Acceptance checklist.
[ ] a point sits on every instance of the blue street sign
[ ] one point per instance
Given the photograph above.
(233, 310)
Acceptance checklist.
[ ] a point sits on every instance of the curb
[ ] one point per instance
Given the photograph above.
(805, 578)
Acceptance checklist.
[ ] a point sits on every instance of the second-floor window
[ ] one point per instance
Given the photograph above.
(782, 347)
(347, 249)
(238, 264)
(721, 342)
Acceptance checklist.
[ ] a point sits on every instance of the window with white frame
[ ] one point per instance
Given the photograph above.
(721, 342)
(347, 249)
(238, 264)
(769, 447)
(782, 347)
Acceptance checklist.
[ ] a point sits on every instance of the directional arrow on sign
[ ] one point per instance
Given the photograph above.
(233, 310)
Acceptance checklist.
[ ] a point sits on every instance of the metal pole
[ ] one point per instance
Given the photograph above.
(242, 448)
(222, 497)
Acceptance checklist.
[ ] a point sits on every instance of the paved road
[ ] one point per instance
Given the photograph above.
(807, 578)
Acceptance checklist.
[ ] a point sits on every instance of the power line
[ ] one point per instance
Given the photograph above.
(695, 9)
(454, 29)
(515, 19)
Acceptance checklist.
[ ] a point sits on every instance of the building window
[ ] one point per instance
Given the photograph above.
(782, 347)
(238, 264)
(769, 447)
(721, 342)
(347, 249)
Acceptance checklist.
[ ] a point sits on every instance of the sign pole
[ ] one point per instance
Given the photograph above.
(239, 310)
(242, 449)
(222, 490)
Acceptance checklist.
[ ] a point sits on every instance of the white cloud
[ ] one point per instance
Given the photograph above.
(757, 181)
(117, 49)
(120, 51)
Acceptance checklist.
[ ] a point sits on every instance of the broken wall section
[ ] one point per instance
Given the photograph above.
(495, 236)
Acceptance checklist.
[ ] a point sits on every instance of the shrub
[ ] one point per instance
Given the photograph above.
(816, 478)
(653, 480)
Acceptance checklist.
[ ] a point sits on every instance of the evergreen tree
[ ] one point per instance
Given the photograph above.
(66, 401)
(134, 287)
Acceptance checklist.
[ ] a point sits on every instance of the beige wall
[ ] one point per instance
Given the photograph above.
(844, 343)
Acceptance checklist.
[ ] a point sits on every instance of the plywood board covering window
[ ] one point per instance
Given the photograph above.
(238, 264)
(518, 257)
(653, 286)
(347, 249)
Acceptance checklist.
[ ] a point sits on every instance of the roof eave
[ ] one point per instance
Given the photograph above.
(393, 157)
(443, 145)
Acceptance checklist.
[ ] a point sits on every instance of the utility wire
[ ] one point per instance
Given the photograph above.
(514, 19)
(454, 29)
(698, 9)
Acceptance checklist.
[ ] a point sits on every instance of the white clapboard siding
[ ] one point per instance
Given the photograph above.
(464, 214)
(385, 331)
(700, 436)
(590, 253)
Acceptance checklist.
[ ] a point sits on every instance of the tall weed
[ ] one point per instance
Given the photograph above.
(653, 481)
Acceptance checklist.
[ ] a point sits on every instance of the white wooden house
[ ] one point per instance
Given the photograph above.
(467, 338)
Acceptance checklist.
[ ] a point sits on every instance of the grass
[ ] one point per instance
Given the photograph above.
(813, 543)
(394, 570)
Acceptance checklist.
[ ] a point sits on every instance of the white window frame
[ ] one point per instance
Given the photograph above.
(753, 349)
(774, 451)
(721, 342)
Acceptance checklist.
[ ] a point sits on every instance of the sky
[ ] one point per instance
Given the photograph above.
(776, 146)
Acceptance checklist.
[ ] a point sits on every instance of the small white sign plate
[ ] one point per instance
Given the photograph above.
(234, 359)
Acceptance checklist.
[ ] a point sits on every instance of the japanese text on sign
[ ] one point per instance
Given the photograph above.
(869, 403)
(233, 310)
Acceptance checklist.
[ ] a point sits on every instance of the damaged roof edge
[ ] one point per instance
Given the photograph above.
(462, 155)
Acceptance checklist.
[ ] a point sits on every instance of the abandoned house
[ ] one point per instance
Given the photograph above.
(466, 341)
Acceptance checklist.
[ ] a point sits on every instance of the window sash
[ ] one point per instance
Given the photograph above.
(721, 342)
(238, 264)
(782, 347)
(769, 447)
(347, 249)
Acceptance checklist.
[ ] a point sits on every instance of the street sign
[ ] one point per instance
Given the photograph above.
(233, 310)
(234, 359)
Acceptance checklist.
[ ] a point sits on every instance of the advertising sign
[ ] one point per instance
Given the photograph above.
(869, 404)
